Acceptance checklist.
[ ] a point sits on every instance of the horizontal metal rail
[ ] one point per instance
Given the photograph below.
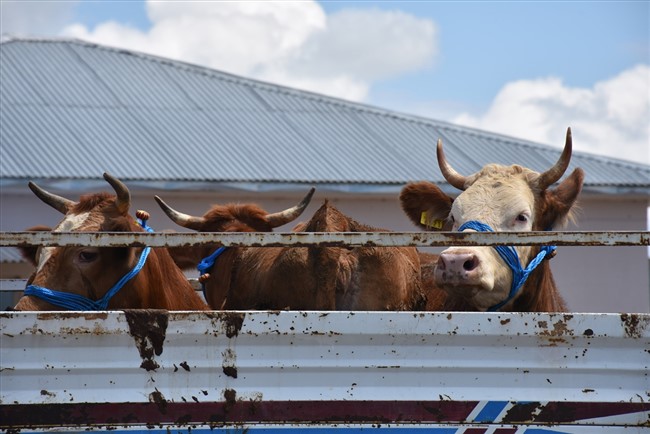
(18, 285)
(324, 239)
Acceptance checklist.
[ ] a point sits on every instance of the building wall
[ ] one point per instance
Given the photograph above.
(592, 279)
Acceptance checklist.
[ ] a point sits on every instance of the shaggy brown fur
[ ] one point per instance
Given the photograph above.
(301, 278)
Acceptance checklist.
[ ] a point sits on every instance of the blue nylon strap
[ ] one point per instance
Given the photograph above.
(510, 256)
(207, 263)
(72, 301)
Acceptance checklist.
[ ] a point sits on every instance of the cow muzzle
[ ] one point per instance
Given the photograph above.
(463, 272)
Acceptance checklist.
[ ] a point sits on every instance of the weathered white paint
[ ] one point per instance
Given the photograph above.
(342, 355)
(592, 279)
(338, 362)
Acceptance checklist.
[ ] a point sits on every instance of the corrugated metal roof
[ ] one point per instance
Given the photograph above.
(10, 255)
(72, 110)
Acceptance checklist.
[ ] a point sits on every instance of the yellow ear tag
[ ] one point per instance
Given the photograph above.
(430, 222)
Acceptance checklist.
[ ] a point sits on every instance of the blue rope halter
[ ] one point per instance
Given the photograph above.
(207, 263)
(510, 256)
(71, 301)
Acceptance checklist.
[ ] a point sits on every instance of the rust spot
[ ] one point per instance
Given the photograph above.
(231, 399)
(230, 396)
(228, 364)
(505, 321)
(230, 371)
(522, 412)
(185, 366)
(232, 321)
(633, 324)
(560, 328)
(45, 316)
(157, 398)
(588, 332)
(148, 328)
(587, 390)
(46, 393)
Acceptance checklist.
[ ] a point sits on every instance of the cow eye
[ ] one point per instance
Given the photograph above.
(522, 218)
(86, 256)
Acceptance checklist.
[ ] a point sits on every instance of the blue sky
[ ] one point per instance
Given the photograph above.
(525, 69)
(486, 44)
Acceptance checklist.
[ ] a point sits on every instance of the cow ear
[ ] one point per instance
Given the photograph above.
(29, 252)
(561, 200)
(426, 206)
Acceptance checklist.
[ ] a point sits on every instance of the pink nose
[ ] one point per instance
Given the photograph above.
(459, 268)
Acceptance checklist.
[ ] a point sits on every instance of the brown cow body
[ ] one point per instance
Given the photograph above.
(303, 278)
(510, 198)
(91, 271)
(362, 278)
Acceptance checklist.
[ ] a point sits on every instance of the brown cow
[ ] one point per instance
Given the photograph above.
(92, 278)
(497, 198)
(362, 278)
(302, 278)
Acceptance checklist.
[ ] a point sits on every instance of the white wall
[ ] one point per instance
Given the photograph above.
(592, 279)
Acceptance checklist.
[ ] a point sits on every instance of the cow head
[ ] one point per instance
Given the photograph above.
(224, 218)
(502, 198)
(87, 274)
(236, 217)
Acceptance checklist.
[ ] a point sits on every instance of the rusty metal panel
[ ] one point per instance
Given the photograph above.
(298, 239)
(261, 369)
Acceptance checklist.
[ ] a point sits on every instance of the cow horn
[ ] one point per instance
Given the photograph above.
(184, 220)
(453, 178)
(290, 214)
(59, 203)
(123, 201)
(555, 173)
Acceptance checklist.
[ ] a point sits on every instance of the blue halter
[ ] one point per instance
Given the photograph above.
(207, 263)
(71, 301)
(510, 256)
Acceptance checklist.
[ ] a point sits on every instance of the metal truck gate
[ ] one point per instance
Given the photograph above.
(152, 371)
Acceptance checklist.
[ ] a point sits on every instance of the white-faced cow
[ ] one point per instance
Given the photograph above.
(497, 198)
(93, 278)
(299, 278)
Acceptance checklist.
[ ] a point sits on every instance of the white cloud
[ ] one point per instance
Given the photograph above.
(290, 43)
(612, 118)
(24, 18)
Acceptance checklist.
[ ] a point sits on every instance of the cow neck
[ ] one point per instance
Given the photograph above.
(72, 301)
(511, 258)
(207, 263)
(540, 293)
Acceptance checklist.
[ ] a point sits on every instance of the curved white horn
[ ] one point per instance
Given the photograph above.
(290, 214)
(123, 201)
(181, 219)
(59, 203)
(453, 178)
(555, 173)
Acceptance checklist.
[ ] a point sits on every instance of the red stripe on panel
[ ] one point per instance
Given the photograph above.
(216, 413)
(287, 412)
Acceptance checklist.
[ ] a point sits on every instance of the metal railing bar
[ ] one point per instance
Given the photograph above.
(15, 285)
(323, 239)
